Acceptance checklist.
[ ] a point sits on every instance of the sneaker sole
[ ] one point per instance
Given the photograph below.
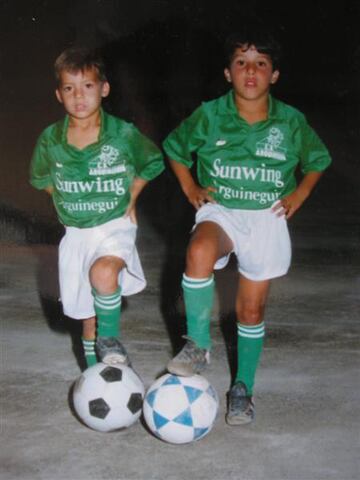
(179, 370)
(238, 420)
(115, 359)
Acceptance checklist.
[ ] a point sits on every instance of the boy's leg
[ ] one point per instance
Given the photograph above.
(88, 341)
(104, 275)
(250, 305)
(208, 243)
(198, 299)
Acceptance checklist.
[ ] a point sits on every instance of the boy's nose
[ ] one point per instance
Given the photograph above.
(78, 92)
(251, 68)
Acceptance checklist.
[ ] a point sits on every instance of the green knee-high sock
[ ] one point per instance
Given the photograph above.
(108, 310)
(198, 298)
(89, 351)
(250, 345)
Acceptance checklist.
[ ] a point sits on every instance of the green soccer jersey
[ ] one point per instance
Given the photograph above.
(250, 166)
(91, 185)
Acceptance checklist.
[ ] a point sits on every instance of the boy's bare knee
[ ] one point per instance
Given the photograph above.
(199, 259)
(104, 274)
(250, 314)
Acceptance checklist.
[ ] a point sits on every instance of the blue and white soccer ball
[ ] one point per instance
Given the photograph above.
(108, 398)
(180, 409)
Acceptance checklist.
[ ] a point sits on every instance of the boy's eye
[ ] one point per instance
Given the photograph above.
(262, 63)
(240, 62)
(67, 88)
(89, 85)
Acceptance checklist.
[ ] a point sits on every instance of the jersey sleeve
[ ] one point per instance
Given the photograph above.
(314, 155)
(147, 157)
(188, 137)
(39, 168)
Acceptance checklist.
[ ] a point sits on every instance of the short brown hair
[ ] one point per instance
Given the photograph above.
(262, 39)
(76, 59)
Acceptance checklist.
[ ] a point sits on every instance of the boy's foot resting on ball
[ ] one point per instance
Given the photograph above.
(190, 360)
(111, 351)
(241, 408)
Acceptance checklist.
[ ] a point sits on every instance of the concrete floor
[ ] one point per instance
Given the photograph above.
(307, 393)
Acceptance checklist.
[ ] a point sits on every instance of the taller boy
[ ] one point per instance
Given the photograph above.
(248, 145)
(94, 165)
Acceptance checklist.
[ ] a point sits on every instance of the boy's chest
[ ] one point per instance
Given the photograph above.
(104, 159)
(269, 142)
(82, 139)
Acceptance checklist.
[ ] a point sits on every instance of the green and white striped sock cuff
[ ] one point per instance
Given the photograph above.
(89, 346)
(89, 352)
(254, 331)
(108, 302)
(188, 282)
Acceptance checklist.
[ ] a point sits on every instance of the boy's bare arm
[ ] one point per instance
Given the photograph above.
(291, 203)
(195, 194)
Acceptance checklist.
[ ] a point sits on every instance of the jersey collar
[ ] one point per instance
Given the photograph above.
(107, 128)
(228, 107)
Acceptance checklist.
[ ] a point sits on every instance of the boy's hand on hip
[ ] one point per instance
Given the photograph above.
(288, 205)
(131, 213)
(291, 203)
(136, 188)
(198, 196)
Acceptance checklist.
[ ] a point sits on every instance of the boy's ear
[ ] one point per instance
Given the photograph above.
(275, 76)
(58, 95)
(227, 75)
(105, 89)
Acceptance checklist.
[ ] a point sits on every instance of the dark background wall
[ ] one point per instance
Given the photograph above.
(164, 58)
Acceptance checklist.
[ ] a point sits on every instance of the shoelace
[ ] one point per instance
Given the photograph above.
(191, 352)
(241, 403)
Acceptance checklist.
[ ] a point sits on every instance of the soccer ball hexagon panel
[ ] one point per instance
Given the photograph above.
(180, 409)
(108, 398)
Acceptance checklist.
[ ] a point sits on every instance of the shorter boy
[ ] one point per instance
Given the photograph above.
(248, 146)
(94, 166)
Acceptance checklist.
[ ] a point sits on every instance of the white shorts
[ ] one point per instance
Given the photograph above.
(261, 240)
(78, 250)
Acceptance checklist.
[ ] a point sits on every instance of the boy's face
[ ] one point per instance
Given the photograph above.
(81, 92)
(251, 73)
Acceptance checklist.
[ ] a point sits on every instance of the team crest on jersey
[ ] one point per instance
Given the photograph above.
(108, 162)
(270, 147)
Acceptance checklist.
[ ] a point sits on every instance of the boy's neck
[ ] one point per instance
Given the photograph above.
(83, 131)
(253, 111)
(85, 123)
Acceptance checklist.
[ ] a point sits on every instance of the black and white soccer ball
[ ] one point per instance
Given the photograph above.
(108, 398)
(180, 409)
